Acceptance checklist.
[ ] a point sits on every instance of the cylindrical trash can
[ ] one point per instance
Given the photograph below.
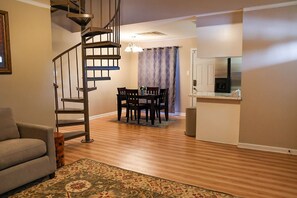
(191, 122)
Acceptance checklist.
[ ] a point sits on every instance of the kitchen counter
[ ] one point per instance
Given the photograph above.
(217, 117)
(219, 96)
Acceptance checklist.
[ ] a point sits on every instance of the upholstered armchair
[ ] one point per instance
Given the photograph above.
(27, 152)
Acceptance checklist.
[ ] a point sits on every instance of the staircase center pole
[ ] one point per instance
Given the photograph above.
(85, 92)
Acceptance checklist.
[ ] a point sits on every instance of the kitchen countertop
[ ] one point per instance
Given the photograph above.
(213, 95)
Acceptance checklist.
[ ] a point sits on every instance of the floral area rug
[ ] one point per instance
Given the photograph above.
(88, 178)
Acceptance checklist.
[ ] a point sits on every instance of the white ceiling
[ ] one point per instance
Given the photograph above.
(173, 29)
(134, 12)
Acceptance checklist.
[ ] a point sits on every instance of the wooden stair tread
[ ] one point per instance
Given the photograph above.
(103, 57)
(103, 68)
(103, 44)
(63, 5)
(80, 100)
(70, 111)
(89, 89)
(81, 19)
(73, 134)
(62, 123)
(93, 31)
(98, 78)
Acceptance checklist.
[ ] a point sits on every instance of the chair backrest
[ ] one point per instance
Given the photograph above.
(152, 90)
(131, 96)
(163, 96)
(122, 91)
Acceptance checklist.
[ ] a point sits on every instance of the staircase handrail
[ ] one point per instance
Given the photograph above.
(114, 16)
(77, 45)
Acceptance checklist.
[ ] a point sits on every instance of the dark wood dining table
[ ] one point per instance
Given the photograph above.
(150, 97)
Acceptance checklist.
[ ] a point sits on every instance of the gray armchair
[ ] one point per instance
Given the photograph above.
(27, 152)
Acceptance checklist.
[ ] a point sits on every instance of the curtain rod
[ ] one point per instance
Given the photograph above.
(161, 47)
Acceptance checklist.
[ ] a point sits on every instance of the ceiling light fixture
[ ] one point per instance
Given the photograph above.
(132, 47)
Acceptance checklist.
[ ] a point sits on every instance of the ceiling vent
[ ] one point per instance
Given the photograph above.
(151, 34)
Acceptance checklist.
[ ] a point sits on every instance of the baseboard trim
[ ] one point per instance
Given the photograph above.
(103, 115)
(268, 148)
(178, 114)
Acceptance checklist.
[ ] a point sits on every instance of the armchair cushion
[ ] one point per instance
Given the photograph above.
(8, 127)
(17, 151)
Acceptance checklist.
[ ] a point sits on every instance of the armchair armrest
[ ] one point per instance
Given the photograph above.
(43, 133)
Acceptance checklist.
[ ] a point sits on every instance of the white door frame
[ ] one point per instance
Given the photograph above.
(193, 63)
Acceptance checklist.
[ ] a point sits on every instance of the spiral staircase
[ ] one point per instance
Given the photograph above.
(77, 69)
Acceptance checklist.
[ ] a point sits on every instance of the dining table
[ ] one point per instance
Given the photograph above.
(148, 97)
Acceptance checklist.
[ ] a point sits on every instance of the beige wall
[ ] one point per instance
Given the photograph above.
(185, 62)
(134, 69)
(219, 40)
(269, 105)
(28, 91)
(62, 38)
(219, 19)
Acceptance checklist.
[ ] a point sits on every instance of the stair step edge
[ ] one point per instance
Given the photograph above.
(103, 68)
(98, 78)
(81, 19)
(79, 100)
(79, 15)
(62, 123)
(103, 44)
(89, 89)
(73, 134)
(70, 111)
(103, 57)
(93, 31)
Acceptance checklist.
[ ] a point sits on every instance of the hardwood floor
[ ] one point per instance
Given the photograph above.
(168, 153)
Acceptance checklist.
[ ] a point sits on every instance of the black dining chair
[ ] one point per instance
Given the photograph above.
(134, 104)
(163, 103)
(152, 91)
(122, 101)
(122, 91)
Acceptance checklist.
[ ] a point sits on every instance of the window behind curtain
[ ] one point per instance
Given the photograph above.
(157, 68)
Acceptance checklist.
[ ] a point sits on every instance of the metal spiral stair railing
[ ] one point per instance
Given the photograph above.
(75, 75)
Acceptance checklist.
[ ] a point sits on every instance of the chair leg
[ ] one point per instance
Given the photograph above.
(138, 116)
(127, 114)
(166, 114)
(119, 113)
(146, 115)
(159, 112)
